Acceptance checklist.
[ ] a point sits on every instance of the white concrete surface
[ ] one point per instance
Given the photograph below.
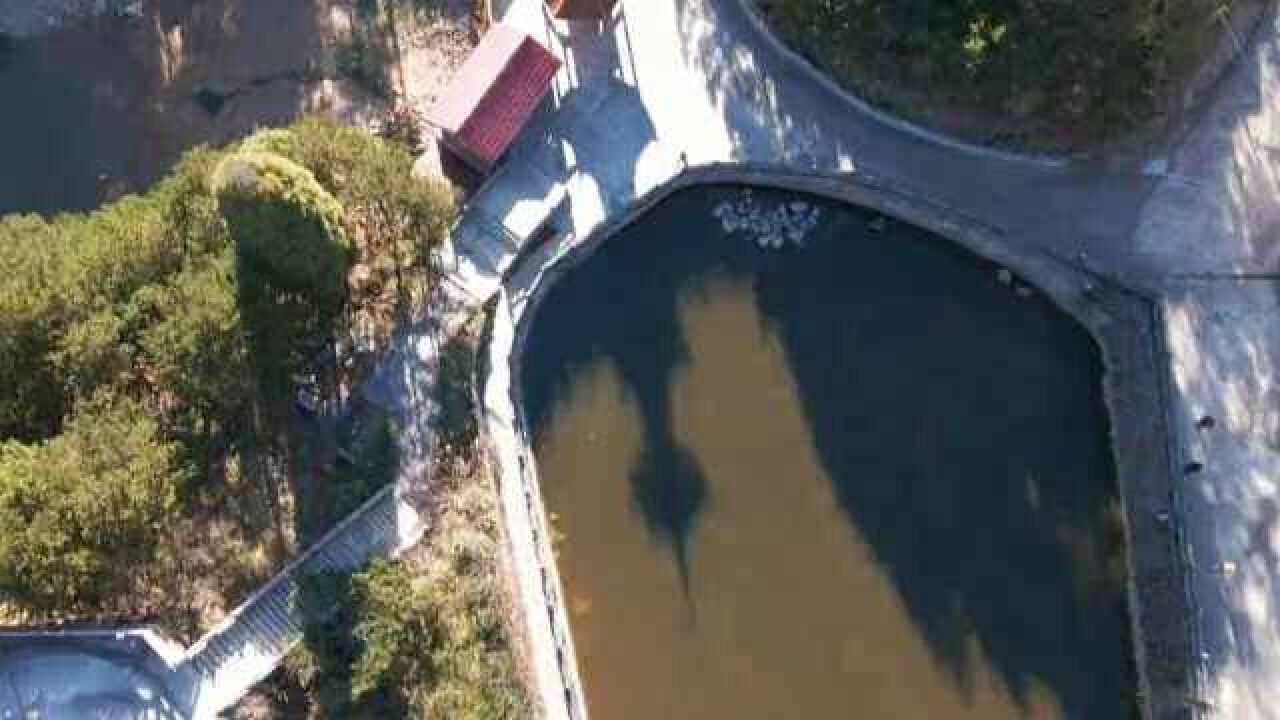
(70, 684)
(1224, 339)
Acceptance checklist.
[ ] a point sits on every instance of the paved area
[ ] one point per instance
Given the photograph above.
(1217, 208)
(1211, 229)
(710, 88)
(1224, 343)
(676, 82)
(95, 675)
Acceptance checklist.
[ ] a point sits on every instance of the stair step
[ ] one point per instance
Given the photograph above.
(279, 613)
(255, 627)
(275, 622)
(346, 553)
(322, 560)
(216, 649)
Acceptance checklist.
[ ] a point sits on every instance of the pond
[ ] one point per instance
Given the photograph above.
(860, 475)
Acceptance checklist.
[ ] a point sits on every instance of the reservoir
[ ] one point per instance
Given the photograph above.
(854, 473)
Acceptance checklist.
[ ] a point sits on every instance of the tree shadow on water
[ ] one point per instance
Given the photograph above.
(963, 429)
(635, 326)
(960, 423)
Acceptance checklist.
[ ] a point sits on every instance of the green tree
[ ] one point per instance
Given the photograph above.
(166, 330)
(292, 260)
(287, 228)
(395, 215)
(395, 630)
(193, 347)
(81, 515)
(1056, 73)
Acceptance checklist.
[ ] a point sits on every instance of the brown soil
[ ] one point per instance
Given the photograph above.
(187, 73)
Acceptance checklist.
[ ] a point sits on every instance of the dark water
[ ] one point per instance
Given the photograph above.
(858, 480)
(70, 123)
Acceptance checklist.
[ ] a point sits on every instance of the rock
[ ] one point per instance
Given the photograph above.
(799, 207)
(1023, 291)
(1004, 276)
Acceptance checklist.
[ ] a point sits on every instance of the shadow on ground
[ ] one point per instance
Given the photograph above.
(181, 74)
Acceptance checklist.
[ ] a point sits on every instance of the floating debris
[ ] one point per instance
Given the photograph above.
(769, 227)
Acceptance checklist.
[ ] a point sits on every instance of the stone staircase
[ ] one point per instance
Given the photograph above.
(245, 647)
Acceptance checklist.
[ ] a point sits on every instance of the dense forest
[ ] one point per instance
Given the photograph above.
(153, 353)
(1064, 74)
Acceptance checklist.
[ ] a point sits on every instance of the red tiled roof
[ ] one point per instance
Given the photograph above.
(495, 92)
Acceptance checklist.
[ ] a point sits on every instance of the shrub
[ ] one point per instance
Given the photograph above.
(79, 513)
(1077, 69)
(287, 228)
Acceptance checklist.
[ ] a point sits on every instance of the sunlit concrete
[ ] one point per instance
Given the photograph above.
(76, 678)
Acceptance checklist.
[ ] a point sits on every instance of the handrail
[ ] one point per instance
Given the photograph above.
(285, 574)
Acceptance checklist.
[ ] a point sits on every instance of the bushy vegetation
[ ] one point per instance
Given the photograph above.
(74, 507)
(421, 638)
(150, 350)
(427, 635)
(1060, 73)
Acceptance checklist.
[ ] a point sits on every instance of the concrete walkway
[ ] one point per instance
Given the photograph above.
(85, 674)
(676, 82)
(697, 81)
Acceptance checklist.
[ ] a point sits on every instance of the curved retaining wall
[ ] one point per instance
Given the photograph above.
(1121, 321)
(1239, 23)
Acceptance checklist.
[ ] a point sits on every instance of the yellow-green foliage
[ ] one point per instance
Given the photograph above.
(77, 509)
(194, 305)
(426, 643)
(284, 223)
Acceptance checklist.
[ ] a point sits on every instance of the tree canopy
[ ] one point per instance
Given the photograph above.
(81, 511)
(286, 227)
(194, 308)
(1082, 71)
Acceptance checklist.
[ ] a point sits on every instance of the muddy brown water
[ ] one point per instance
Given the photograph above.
(862, 479)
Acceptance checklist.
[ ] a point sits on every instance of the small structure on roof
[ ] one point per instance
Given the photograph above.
(493, 96)
(580, 9)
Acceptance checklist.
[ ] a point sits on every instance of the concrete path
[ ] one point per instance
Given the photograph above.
(676, 82)
(704, 85)
(88, 674)
(1212, 230)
